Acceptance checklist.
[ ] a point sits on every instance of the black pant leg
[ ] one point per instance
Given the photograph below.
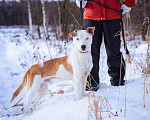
(95, 51)
(115, 59)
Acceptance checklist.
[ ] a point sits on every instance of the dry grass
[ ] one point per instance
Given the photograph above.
(8, 114)
(89, 86)
(98, 106)
(145, 67)
(53, 93)
(17, 104)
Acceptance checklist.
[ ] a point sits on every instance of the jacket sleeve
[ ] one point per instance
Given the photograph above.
(129, 3)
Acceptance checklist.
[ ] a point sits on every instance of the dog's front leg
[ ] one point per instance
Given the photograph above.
(84, 79)
(78, 88)
(78, 85)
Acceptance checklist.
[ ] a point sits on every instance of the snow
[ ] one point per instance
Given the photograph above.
(18, 52)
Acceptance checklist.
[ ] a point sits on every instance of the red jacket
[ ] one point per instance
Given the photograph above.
(94, 11)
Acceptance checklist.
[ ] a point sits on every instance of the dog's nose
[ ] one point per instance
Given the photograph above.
(83, 47)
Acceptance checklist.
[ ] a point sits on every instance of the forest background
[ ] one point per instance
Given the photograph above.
(62, 13)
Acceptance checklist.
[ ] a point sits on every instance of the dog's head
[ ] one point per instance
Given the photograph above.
(82, 39)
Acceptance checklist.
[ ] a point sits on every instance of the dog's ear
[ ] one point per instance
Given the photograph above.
(90, 30)
(73, 34)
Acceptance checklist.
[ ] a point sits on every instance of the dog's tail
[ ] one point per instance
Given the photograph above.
(15, 94)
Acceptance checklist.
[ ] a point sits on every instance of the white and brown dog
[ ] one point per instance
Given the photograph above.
(75, 66)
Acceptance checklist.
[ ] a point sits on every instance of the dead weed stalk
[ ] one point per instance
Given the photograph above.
(8, 114)
(146, 67)
(17, 104)
(98, 106)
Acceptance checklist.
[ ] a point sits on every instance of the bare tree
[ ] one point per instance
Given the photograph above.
(44, 19)
(30, 19)
(60, 27)
(145, 19)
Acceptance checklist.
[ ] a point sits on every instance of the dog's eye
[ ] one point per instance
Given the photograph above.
(87, 38)
(77, 38)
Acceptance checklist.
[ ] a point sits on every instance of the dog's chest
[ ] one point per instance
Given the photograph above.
(81, 61)
(86, 61)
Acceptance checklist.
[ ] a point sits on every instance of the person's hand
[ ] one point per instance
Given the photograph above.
(83, 3)
(125, 9)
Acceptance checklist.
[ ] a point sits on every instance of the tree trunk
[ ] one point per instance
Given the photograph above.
(44, 19)
(145, 23)
(60, 27)
(30, 19)
(39, 33)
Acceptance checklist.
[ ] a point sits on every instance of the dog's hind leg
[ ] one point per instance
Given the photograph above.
(42, 91)
(32, 92)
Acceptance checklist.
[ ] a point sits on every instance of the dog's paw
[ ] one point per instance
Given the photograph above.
(79, 98)
(33, 107)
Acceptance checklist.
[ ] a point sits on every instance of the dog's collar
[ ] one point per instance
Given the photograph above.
(83, 52)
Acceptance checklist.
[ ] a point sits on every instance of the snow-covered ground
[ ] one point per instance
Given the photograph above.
(18, 52)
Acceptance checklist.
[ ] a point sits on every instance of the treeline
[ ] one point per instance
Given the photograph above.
(58, 13)
(13, 13)
(140, 16)
(16, 13)
(63, 12)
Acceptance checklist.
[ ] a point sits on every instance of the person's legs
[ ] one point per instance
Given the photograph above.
(93, 80)
(115, 59)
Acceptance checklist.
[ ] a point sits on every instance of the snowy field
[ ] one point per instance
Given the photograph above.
(18, 52)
